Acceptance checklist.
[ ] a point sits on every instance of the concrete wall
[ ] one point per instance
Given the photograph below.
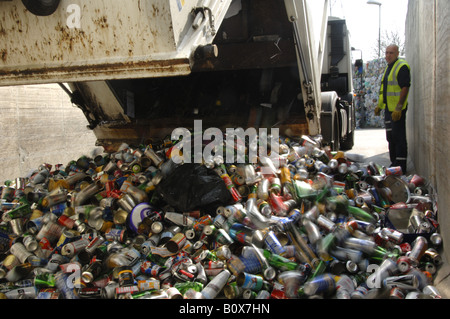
(38, 124)
(427, 51)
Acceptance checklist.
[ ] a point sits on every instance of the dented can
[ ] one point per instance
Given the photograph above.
(419, 246)
(176, 243)
(72, 248)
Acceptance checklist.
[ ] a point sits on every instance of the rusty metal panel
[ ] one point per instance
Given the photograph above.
(103, 39)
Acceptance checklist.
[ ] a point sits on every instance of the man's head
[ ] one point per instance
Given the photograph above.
(392, 53)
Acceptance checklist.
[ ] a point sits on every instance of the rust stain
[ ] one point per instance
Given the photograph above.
(155, 10)
(70, 38)
(167, 65)
(14, 14)
(102, 22)
(3, 55)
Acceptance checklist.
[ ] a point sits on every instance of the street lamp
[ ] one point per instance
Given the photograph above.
(379, 24)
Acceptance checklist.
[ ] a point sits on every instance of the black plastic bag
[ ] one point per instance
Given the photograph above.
(192, 187)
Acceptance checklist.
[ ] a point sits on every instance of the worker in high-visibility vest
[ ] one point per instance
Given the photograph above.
(394, 92)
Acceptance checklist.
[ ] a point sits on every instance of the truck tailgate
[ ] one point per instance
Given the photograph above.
(104, 39)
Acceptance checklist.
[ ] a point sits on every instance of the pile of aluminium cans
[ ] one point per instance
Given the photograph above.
(315, 225)
(367, 87)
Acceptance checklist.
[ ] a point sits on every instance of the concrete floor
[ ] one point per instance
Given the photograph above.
(372, 144)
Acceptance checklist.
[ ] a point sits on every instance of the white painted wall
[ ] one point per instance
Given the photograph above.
(39, 124)
(427, 51)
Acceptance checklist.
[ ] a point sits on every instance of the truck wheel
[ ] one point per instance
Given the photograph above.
(41, 7)
(336, 142)
(329, 118)
(348, 143)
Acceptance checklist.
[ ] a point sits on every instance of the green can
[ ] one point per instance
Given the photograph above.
(45, 280)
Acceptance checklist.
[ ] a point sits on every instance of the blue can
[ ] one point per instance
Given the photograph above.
(251, 264)
(116, 234)
(273, 244)
(5, 241)
(48, 295)
(250, 281)
(320, 284)
(65, 286)
(58, 209)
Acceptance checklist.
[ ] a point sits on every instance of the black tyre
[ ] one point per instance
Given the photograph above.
(336, 142)
(329, 118)
(348, 143)
(41, 7)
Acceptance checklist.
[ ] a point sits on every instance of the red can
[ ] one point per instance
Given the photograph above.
(45, 244)
(396, 293)
(146, 267)
(66, 221)
(277, 294)
(417, 180)
(420, 245)
(405, 247)
(403, 264)
(202, 222)
(396, 171)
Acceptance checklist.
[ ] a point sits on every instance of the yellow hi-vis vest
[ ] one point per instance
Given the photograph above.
(393, 89)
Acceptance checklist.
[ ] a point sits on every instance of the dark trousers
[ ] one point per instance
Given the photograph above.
(396, 137)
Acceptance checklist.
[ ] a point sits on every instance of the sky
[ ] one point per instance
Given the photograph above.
(363, 22)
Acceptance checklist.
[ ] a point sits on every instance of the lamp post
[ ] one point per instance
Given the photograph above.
(379, 24)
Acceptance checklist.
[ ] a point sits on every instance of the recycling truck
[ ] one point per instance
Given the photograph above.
(140, 68)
